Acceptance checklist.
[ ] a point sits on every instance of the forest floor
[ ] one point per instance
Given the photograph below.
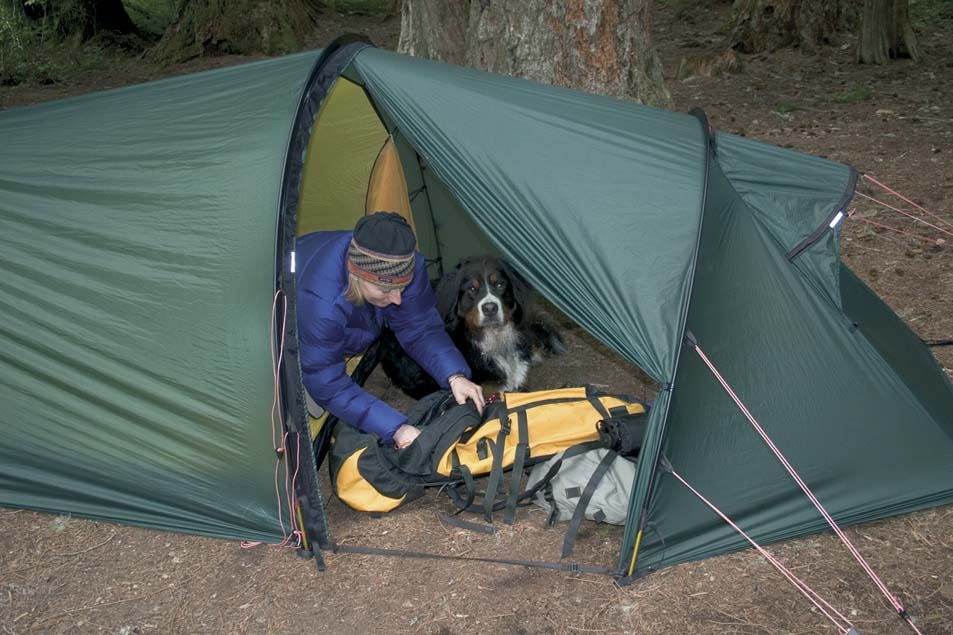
(60, 574)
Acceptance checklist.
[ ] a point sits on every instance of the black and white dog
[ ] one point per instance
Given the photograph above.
(488, 312)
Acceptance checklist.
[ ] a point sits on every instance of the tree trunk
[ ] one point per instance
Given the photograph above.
(769, 25)
(240, 27)
(600, 46)
(435, 30)
(886, 32)
(82, 19)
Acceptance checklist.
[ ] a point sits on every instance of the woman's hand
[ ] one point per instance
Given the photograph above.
(463, 389)
(405, 435)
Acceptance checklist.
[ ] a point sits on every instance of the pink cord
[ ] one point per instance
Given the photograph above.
(278, 446)
(907, 214)
(863, 563)
(893, 229)
(281, 444)
(822, 605)
(296, 530)
(907, 200)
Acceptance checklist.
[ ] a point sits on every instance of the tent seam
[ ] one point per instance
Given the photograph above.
(663, 419)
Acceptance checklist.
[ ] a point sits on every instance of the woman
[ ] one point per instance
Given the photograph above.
(349, 284)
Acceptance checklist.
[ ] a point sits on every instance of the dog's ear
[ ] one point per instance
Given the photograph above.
(522, 291)
(448, 296)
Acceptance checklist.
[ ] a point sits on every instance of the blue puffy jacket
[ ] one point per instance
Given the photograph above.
(331, 329)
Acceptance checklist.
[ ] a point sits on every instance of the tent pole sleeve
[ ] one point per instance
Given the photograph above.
(826, 226)
(655, 432)
(644, 481)
(329, 65)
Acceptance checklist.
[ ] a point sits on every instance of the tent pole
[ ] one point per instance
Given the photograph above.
(335, 57)
(653, 447)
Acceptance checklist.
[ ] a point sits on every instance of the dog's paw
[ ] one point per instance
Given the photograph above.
(547, 341)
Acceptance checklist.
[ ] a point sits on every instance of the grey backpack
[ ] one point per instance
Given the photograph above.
(593, 484)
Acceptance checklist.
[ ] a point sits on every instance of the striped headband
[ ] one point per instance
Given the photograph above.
(389, 272)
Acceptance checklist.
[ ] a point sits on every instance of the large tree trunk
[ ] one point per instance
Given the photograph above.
(600, 46)
(82, 19)
(241, 27)
(769, 25)
(886, 32)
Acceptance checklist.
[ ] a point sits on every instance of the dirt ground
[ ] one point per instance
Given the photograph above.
(66, 575)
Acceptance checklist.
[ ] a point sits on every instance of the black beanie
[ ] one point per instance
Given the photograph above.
(386, 234)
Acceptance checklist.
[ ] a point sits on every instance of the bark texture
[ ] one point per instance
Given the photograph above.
(886, 32)
(768, 25)
(599, 46)
(223, 27)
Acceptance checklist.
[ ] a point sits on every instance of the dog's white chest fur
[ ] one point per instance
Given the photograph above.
(501, 346)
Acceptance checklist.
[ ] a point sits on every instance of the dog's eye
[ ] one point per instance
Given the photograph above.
(500, 284)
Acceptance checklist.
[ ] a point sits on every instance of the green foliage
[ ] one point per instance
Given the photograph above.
(151, 16)
(282, 42)
(57, 16)
(35, 51)
(856, 95)
(932, 13)
(363, 7)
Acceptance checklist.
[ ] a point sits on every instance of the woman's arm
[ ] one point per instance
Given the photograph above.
(420, 330)
(324, 370)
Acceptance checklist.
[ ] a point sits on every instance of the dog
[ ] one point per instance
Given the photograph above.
(487, 309)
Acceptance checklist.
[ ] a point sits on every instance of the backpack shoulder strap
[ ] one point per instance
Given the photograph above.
(587, 493)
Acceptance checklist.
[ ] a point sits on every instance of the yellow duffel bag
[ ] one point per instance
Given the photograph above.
(457, 444)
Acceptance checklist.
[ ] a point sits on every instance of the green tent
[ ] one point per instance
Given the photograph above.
(147, 369)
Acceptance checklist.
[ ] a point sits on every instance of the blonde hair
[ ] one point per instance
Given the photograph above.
(353, 292)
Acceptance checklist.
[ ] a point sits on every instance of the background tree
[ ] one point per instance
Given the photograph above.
(769, 25)
(886, 32)
(600, 46)
(246, 27)
(80, 19)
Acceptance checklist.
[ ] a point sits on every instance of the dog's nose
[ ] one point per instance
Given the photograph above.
(490, 309)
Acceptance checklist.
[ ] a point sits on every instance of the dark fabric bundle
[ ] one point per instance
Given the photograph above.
(624, 434)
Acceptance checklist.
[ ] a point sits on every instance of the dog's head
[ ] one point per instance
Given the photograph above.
(482, 292)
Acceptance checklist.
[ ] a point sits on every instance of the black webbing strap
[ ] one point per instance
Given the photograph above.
(582, 448)
(618, 411)
(465, 524)
(550, 498)
(587, 493)
(568, 453)
(462, 502)
(545, 484)
(492, 411)
(516, 475)
(594, 400)
(558, 566)
(463, 478)
(496, 472)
